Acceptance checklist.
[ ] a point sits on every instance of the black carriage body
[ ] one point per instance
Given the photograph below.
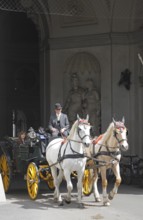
(20, 155)
(26, 159)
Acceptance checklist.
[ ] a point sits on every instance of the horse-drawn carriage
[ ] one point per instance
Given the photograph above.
(27, 159)
(69, 156)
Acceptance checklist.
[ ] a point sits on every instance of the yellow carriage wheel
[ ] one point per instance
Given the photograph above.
(47, 176)
(87, 182)
(5, 170)
(50, 181)
(33, 180)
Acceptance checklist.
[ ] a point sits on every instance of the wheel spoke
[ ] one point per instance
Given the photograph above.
(32, 180)
(87, 182)
(5, 171)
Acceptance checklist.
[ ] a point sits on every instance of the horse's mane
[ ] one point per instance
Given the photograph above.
(106, 135)
(73, 129)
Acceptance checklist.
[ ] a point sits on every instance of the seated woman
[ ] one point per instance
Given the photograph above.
(22, 136)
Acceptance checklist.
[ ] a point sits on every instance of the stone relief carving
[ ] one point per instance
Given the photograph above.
(91, 105)
(83, 101)
(82, 89)
(73, 104)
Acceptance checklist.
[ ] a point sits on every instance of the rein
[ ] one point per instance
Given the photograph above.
(113, 154)
(119, 141)
(70, 156)
(107, 146)
(80, 142)
(109, 153)
(83, 136)
(75, 154)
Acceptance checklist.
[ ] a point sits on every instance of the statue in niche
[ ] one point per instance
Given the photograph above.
(73, 104)
(91, 106)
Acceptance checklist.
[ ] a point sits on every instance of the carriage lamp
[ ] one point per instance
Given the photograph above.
(13, 124)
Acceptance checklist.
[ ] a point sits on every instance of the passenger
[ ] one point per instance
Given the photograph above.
(22, 136)
(58, 123)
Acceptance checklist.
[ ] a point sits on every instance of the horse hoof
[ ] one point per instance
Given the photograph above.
(67, 201)
(97, 200)
(55, 200)
(61, 203)
(110, 197)
(81, 205)
(106, 203)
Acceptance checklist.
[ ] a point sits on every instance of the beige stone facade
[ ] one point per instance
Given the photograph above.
(102, 41)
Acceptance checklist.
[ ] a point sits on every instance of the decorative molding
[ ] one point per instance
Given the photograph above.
(96, 40)
(67, 22)
(79, 41)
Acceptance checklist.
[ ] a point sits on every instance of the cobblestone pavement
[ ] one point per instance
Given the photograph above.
(127, 205)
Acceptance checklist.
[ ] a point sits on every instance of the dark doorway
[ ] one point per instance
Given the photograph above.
(19, 72)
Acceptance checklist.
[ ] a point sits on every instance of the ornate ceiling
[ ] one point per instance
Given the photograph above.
(64, 18)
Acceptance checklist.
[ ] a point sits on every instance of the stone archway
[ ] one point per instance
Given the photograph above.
(17, 55)
(43, 25)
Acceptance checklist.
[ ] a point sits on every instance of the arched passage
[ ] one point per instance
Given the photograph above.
(20, 84)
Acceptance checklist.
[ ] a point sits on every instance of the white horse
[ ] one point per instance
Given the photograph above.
(68, 156)
(107, 152)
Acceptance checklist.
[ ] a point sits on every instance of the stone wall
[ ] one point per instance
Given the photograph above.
(116, 101)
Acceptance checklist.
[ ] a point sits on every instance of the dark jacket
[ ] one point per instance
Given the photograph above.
(62, 123)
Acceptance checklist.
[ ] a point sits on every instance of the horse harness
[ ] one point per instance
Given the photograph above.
(112, 154)
(109, 153)
(74, 154)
